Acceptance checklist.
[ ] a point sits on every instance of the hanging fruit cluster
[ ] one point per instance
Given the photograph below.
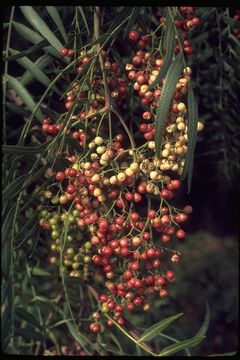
(100, 212)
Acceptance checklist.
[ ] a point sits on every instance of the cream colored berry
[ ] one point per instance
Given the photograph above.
(129, 172)
(134, 166)
(179, 119)
(105, 156)
(121, 176)
(91, 145)
(179, 150)
(101, 198)
(98, 140)
(151, 145)
(87, 165)
(181, 126)
(181, 107)
(165, 153)
(175, 167)
(97, 192)
(101, 149)
(153, 175)
(167, 146)
(113, 180)
(200, 126)
(106, 181)
(95, 178)
(103, 162)
(150, 188)
(94, 156)
(143, 88)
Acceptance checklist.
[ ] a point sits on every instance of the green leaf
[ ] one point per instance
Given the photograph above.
(170, 44)
(7, 223)
(153, 331)
(84, 18)
(25, 315)
(41, 63)
(24, 95)
(6, 259)
(131, 21)
(29, 334)
(28, 34)
(33, 37)
(11, 190)
(168, 89)
(16, 109)
(39, 24)
(52, 10)
(25, 52)
(17, 185)
(192, 135)
(231, 22)
(40, 272)
(34, 70)
(203, 329)
(80, 338)
(174, 348)
(21, 150)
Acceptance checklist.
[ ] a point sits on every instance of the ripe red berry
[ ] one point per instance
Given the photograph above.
(70, 189)
(64, 52)
(133, 35)
(180, 234)
(59, 176)
(134, 216)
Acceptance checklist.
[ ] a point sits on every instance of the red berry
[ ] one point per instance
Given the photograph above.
(134, 216)
(59, 176)
(195, 21)
(133, 35)
(64, 52)
(180, 234)
(70, 189)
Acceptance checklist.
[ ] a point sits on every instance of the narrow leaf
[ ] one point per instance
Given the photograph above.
(203, 329)
(39, 24)
(7, 223)
(25, 315)
(155, 329)
(174, 348)
(80, 338)
(192, 135)
(11, 190)
(40, 272)
(24, 95)
(34, 70)
(52, 10)
(41, 63)
(168, 89)
(84, 18)
(29, 334)
(231, 22)
(33, 37)
(170, 44)
(21, 150)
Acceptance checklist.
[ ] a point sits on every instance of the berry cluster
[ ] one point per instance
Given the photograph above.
(100, 211)
(143, 73)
